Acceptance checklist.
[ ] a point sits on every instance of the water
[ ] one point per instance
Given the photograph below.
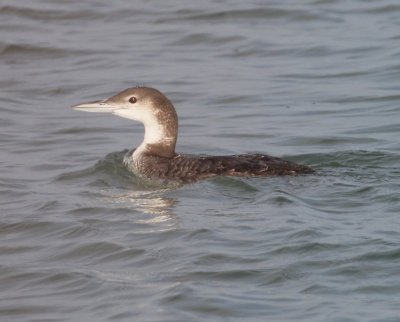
(315, 81)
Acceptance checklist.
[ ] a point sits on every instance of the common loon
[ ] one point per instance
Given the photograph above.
(156, 159)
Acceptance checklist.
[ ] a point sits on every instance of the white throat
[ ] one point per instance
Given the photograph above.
(154, 133)
(157, 137)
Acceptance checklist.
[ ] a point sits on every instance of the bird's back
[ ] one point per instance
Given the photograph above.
(188, 168)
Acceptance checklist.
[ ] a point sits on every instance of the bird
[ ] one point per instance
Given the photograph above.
(156, 160)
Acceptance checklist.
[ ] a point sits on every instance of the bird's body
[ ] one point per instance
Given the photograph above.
(156, 159)
(190, 168)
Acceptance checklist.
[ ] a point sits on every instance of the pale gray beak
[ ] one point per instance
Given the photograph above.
(101, 106)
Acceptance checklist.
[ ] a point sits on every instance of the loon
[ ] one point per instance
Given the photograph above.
(156, 160)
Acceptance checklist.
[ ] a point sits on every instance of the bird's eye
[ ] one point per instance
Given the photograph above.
(132, 100)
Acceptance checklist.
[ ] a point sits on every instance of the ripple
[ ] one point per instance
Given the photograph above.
(383, 9)
(46, 14)
(390, 255)
(243, 15)
(305, 248)
(204, 38)
(15, 51)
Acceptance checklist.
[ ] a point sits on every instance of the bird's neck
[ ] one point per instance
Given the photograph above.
(159, 140)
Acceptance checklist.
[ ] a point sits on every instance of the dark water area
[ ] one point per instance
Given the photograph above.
(313, 81)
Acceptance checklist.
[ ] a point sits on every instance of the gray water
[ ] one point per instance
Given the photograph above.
(314, 81)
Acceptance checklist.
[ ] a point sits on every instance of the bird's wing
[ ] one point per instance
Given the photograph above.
(192, 168)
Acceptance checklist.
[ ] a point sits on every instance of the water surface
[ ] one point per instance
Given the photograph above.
(313, 81)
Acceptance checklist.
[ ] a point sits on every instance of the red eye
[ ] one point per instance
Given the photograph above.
(132, 100)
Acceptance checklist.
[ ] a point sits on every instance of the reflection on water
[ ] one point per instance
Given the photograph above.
(132, 192)
(112, 185)
(149, 202)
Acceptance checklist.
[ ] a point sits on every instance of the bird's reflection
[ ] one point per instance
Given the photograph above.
(153, 203)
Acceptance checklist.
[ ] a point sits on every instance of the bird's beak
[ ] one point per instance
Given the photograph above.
(101, 106)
